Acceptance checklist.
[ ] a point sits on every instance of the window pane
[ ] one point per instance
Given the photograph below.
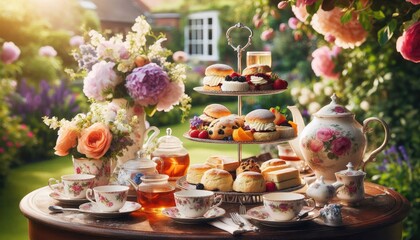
(210, 21)
(200, 34)
(210, 34)
(210, 47)
(189, 22)
(200, 49)
(200, 21)
(189, 49)
(189, 34)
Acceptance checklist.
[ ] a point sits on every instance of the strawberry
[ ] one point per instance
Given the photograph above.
(270, 187)
(280, 84)
(194, 133)
(203, 134)
(235, 74)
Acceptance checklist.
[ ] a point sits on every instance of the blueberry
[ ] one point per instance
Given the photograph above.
(228, 78)
(199, 186)
(235, 79)
(242, 79)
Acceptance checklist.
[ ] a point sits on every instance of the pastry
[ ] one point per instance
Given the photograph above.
(282, 175)
(288, 183)
(267, 170)
(235, 84)
(215, 75)
(286, 131)
(249, 182)
(222, 128)
(223, 162)
(258, 77)
(217, 179)
(246, 166)
(196, 171)
(212, 112)
(272, 162)
(260, 122)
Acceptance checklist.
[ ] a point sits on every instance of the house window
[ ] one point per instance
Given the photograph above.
(201, 35)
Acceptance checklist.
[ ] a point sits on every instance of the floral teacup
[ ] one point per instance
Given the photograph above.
(72, 186)
(282, 206)
(108, 198)
(195, 203)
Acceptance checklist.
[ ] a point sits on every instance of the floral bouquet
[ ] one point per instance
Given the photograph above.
(124, 78)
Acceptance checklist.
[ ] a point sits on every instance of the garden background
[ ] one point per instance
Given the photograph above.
(372, 79)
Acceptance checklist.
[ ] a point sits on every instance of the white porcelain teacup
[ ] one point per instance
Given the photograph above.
(195, 203)
(108, 198)
(284, 206)
(72, 186)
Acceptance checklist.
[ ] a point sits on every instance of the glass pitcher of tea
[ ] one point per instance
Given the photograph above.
(174, 158)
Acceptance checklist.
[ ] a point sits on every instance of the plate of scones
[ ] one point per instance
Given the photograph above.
(244, 181)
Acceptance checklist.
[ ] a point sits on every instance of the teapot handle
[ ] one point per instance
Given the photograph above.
(371, 156)
(155, 133)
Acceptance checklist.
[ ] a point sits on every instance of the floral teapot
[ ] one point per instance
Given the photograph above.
(333, 139)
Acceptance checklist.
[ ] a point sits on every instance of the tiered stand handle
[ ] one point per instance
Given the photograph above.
(239, 49)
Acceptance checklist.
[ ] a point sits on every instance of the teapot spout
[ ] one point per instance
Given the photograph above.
(135, 186)
(298, 119)
(337, 184)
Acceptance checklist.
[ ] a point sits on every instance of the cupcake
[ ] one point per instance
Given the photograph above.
(235, 84)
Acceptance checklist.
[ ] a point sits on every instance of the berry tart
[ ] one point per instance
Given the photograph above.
(235, 83)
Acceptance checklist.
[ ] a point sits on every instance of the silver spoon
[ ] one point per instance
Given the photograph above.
(58, 209)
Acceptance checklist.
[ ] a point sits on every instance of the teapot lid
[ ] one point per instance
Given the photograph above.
(333, 109)
(141, 162)
(350, 171)
(169, 141)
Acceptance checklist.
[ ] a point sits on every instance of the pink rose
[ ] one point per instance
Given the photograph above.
(10, 52)
(409, 43)
(415, 2)
(267, 34)
(47, 51)
(340, 146)
(315, 145)
(180, 56)
(282, 27)
(258, 22)
(170, 96)
(282, 4)
(324, 134)
(339, 109)
(76, 41)
(329, 38)
(95, 141)
(322, 63)
(67, 139)
(293, 22)
(101, 78)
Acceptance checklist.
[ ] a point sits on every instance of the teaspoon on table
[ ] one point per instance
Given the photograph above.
(58, 209)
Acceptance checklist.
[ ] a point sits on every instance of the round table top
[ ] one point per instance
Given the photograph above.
(382, 207)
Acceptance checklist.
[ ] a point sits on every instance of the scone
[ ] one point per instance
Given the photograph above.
(223, 162)
(260, 121)
(212, 112)
(246, 166)
(258, 77)
(195, 172)
(215, 75)
(249, 182)
(222, 128)
(272, 162)
(217, 179)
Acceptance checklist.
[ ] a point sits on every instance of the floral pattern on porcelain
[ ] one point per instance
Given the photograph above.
(77, 188)
(277, 207)
(100, 168)
(197, 204)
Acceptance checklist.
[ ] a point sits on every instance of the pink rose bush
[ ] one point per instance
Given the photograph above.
(47, 51)
(409, 43)
(322, 63)
(9, 53)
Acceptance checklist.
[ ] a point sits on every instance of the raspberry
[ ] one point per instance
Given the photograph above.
(270, 187)
(203, 134)
(235, 74)
(194, 133)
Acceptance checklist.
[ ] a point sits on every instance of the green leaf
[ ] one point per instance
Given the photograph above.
(364, 19)
(312, 9)
(347, 16)
(385, 33)
(379, 15)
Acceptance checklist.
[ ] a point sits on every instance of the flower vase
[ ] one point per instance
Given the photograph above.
(138, 131)
(102, 169)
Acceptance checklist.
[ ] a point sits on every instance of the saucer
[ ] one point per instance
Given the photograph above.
(212, 214)
(66, 200)
(91, 209)
(260, 215)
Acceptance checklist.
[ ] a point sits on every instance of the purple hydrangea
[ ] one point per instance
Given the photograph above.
(145, 84)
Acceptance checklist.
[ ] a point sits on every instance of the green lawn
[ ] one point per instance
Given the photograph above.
(13, 224)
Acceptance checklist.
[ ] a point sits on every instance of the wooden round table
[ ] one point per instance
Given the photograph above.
(379, 216)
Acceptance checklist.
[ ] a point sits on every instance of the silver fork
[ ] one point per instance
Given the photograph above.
(235, 219)
(244, 221)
